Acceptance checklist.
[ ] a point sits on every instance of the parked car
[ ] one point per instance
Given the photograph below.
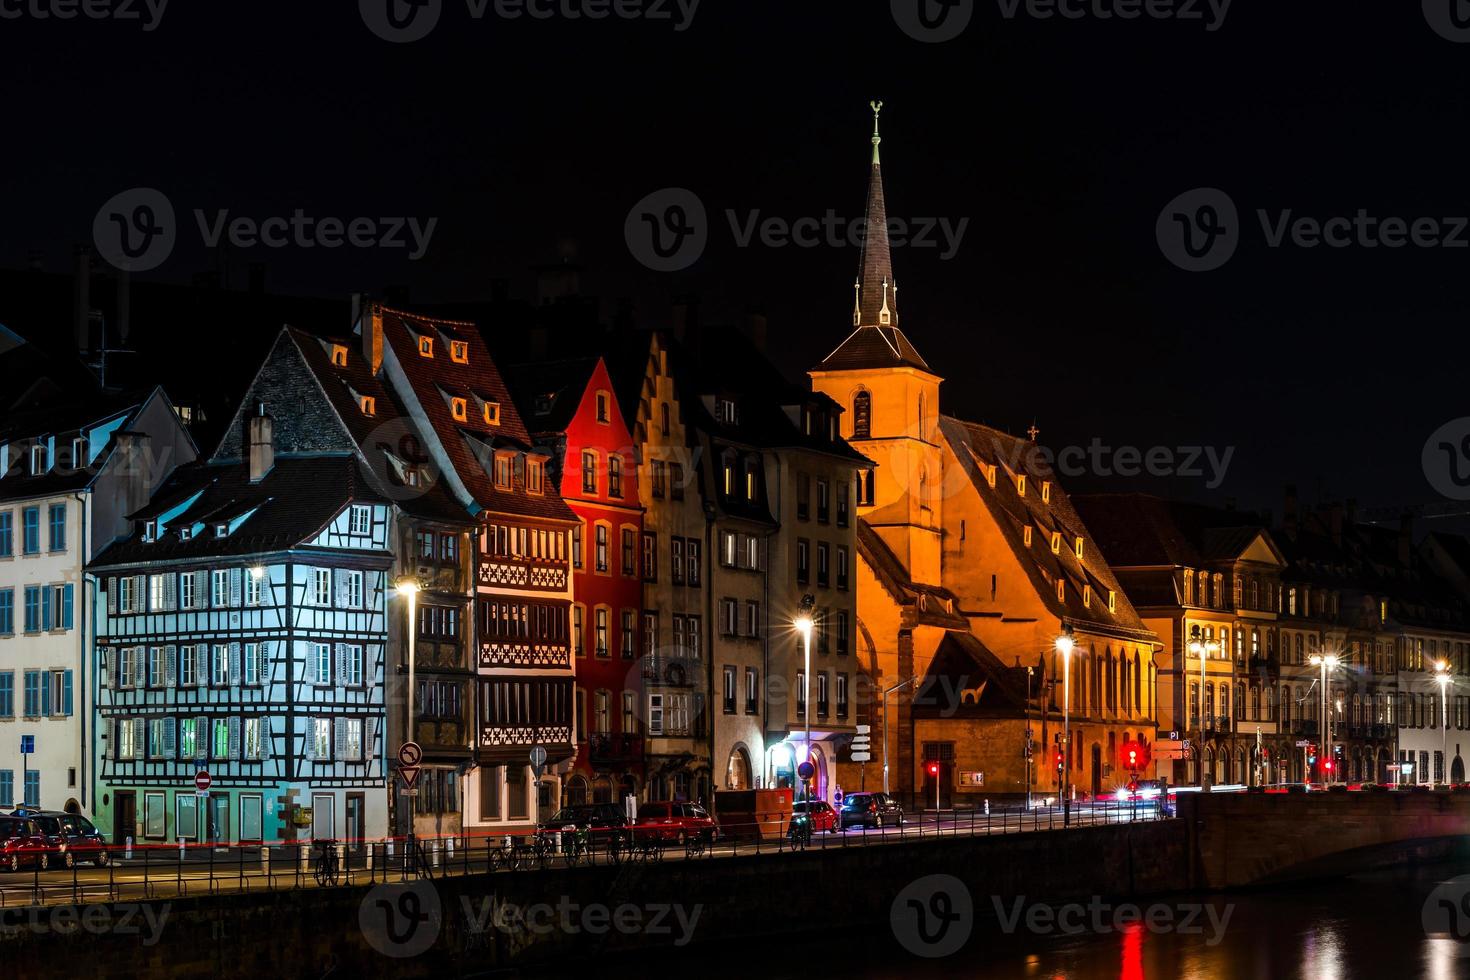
(876, 810)
(72, 839)
(22, 844)
(675, 822)
(598, 818)
(821, 812)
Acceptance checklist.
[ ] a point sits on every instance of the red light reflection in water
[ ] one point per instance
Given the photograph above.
(1133, 934)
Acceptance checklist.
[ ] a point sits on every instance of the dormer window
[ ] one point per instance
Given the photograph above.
(1112, 601)
(426, 346)
(150, 531)
(339, 356)
(458, 408)
(78, 453)
(1021, 484)
(502, 471)
(990, 476)
(1087, 597)
(535, 476)
(222, 530)
(727, 411)
(369, 405)
(492, 413)
(1046, 491)
(186, 533)
(1056, 542)
(1079, 547)
(411, 476)
(1026, 535)
(459, 352)
(603, 412)
(38, 459)
(1061, 590)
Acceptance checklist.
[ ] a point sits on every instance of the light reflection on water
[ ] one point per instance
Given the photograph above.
(1367, 927)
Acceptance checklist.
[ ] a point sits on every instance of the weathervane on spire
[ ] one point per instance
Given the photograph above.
(877, 108)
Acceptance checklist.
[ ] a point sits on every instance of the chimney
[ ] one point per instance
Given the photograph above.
(1288, 513)
(371, 321)
(1406, 539)
(81, 296)
(755, 325)
(260, 443)
(1334, 516)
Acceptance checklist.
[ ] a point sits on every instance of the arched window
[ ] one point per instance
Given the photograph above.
(921, 415)
(576, 791)
(862, 415)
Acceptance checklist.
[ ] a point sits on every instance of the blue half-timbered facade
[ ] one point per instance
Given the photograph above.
(242, 632)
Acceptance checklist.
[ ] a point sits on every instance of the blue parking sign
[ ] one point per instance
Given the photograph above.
(27, 744)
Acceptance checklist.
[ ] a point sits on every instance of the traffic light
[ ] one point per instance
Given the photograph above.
(1059, 760)
(933, 768)
(1132, 758)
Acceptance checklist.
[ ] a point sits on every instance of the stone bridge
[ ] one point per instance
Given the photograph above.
(1241, 839)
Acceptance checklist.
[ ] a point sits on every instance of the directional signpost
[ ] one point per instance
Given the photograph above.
(862, 750)
(409, 755)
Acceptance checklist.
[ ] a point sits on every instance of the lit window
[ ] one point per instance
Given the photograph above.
(492, 413)
(459, 352)
(1112, 601)
(502, 471)
(602, 407)
(1021, 484)
(339, 355)
(458, 409)
(535, 476)
(369, 405)
(1061, 590)
(1087, 596)
(1026, 535)
(1046, 491)
(1079, 546)
(1056, 542)
(426, 346)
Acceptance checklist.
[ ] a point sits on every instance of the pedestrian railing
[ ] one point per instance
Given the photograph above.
(159, 871)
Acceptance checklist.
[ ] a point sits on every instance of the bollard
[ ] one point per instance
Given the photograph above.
(181, 850)
(987, 808)
(370, 849)
(450, 845)
(342, 860)
(559, 844)
(435, 852)
(265, 860)
(128, 849)
(304, 862)
(388, 854)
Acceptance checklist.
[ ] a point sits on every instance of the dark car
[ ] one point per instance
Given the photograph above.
(675, 822)
(22, 844)
(876, 810)
(72, 839)
(822, 814)
(588, 816)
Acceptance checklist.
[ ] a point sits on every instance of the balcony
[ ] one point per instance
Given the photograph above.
(533, 574)
(671, 671)
(606, 749)
(522, 651)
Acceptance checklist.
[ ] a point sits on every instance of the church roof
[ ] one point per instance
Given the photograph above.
(869, 348)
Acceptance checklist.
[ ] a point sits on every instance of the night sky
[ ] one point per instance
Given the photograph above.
(1059, 141)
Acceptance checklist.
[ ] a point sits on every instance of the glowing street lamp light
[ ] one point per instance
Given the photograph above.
(1325, 662)
(1064, 646)
(409, 589)
(803, 624)
(1442, 676)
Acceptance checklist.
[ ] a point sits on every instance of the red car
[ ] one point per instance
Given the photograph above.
(822, 814)
(675, 822)
(22, 843)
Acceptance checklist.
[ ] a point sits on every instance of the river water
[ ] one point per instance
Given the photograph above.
(1366, 927)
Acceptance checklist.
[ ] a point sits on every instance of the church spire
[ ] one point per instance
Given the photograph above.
(877, 293)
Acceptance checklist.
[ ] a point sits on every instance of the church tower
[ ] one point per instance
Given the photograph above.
(892, 400)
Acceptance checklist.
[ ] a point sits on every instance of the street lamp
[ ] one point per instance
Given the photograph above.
(897, 687)
(1201, 648)
(1065, 645)
(804, 627)
(409, 589)
(1324, 662)
(1442, 675)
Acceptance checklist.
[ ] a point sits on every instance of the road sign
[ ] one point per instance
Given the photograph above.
(409, 754)
(805, 770)
(1173, 736)
(864, 729)
(1167, 745)
(538, 756)
(202, 780)
(1303, 743)
(27, 744)
(410, 776)
(862, 757)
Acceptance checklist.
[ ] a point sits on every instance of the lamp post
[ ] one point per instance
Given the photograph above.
(1201, 648)
(1442, 675)
(1323, 662)
(897, 687)
(1064, 646)
(409, 589)
(804, 627)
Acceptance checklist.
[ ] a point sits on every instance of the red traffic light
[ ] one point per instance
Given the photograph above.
(933, 768)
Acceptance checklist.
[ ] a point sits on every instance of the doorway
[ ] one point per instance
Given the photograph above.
(1097, 768)
(356, 822)
(217, 819)
(125, 817)
(323, 819)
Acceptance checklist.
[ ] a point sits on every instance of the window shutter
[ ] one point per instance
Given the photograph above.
(368, 727)
(341, 664)
(171, 666)
(45, 607)
(44, 678)
(310, 739)
(370, 589)
(201, 589)
(339, 586)
(111, 730)
(140, 666)
(170, 738)
(67, 595)
(66, 700)
(234, 667)
(140, 735)
(140, 593)
(112, 596)
(201, 737)
(112, 660)
(171, 591)
(234, 727)
(262, 663)
(235, 587)
(339, 738)
(310, 672)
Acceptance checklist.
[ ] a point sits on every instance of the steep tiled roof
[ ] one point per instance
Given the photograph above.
(549, 393)
(932, 604)
(1137, 530)
(873, 348)
(62, 420)
(295, 501)
(467, 443)
(966, 678)
(980, 447)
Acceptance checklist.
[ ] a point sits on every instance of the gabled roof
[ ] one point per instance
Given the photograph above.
(63, 421)
(1140, 530)
(549, 393)
(462, 441)
(294, 503)
(932, 605)
(966, 680)
(979, 447)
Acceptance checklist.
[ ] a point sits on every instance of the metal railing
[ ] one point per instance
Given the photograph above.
(153, 871)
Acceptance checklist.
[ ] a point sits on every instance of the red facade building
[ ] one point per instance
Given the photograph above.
(572, 413)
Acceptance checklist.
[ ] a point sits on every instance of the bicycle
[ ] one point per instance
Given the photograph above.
(697, 845)
(327, 869)
(578, 847)
(799, 832)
